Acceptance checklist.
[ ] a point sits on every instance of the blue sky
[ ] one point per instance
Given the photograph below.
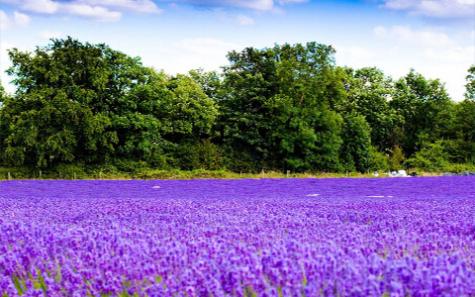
(435, 37)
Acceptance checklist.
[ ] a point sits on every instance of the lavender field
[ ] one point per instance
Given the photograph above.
(268, 237)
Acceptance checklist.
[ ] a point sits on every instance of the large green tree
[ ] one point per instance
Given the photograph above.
(356, 149)
(464, 123)
(189, 117)
(277, 109)
(86, 102)
(464, 127)
(424, 105)
(66, 95)
(369, 93)
(167, 112)
(44, 127)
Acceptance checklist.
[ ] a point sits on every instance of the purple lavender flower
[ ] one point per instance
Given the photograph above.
(257, 237)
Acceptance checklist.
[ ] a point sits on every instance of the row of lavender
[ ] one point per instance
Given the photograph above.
(289, 237)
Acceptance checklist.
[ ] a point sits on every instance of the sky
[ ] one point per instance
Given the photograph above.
(434, 37)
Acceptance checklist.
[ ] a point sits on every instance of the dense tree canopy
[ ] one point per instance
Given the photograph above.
(470, 94)
(369, 93)
(276, 111)
(288, 107)
(422, 104)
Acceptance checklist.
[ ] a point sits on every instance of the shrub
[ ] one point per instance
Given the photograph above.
(431, 157)
(397, 158)
(378, 160)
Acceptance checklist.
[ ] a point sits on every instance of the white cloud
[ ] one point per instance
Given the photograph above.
(432, 52)
(21, 19)
(355, 56)
(244, 20)
(94, 12)
(37, 6)
(4, 20)
(102, 10)
(18, 19)
(262, 4)
(259, 5)
(452, 54)
(143, 6)
(407, 35)
(435, 8)
(256, 4)
(251, 4)
(189, 53)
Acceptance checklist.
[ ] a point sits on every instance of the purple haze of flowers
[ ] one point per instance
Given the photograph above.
(268, 237)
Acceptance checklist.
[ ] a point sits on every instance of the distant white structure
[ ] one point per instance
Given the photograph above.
(399, 173)
(313, 195)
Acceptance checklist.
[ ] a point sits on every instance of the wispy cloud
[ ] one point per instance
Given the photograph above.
(409, 36)
(143, 6)
(35, 6)
(250, 4)
(244, 20)
(95, 12)
(258, 5)
(430, 51)
(17, 19)
(104, 10)
(435, 8)
(208, 53)
(112, 10)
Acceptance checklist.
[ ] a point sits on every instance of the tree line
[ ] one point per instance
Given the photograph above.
(286, 107)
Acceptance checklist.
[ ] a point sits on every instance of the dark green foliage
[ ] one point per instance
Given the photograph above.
(422, 103)
(378, 160)
(470, 86)
(369, 91)
(3, 94)
(431, 157)
(193, 155)
(209, 82)
(79, 102)
(396, 158)
(276, 111)
(188, 113)
(44, 127)
(356, 151)
(84, 109)
(464, 131)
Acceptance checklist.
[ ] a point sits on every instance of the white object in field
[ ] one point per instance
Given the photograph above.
(313, 195)
(156, 187)
(399, 173)
(402, 173)
(376, 174)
